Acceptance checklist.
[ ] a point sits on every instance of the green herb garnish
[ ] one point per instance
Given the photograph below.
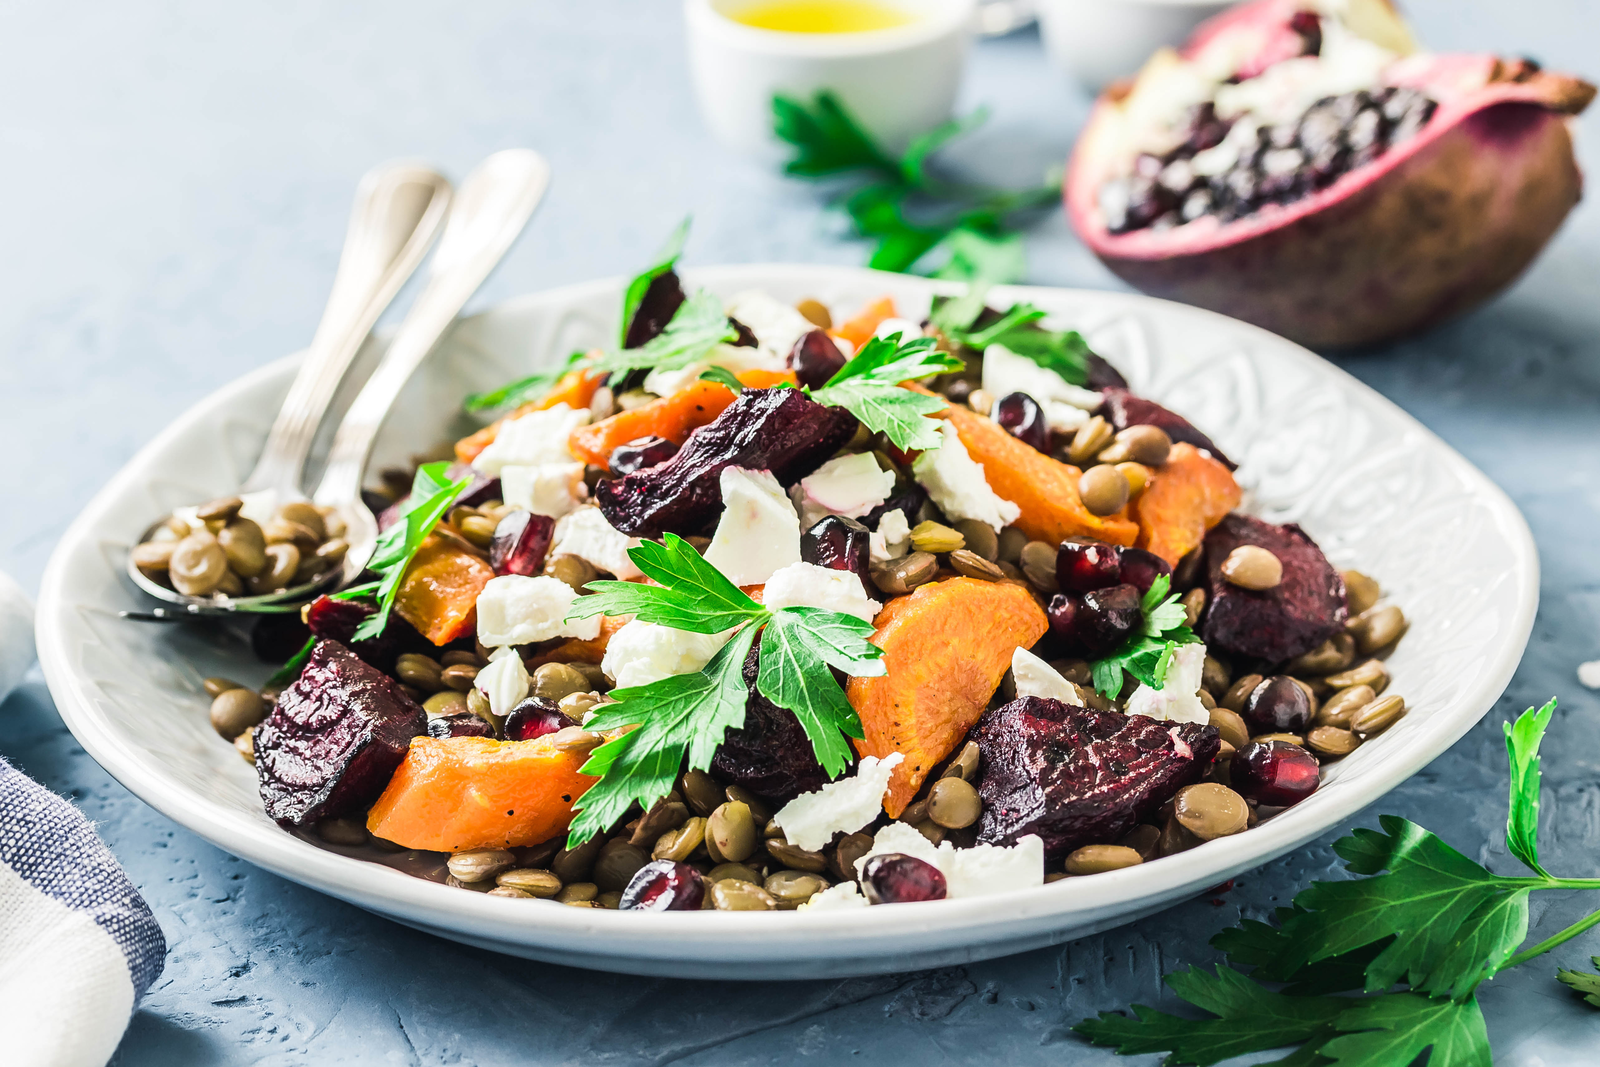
(899, 203)
(431, 497)
(868, 386)
(1421, 915)
(524, 389)
(685, 717)
(1063, 351)
(639, 284)
(723, 376)
(1147, 653)
(699, 325)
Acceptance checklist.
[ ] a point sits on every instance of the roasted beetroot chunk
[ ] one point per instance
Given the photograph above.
(1305, 609)
(640, 453)
(1103, 375)
(334, 738)
(779, 430)
(661, 301)
(336, 620)
(1078, 777)
(839, 544)
(770, 754)
(815, 358)
(1124, 410)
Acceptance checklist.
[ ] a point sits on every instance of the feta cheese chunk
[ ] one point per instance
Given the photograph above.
(810, 820)
(644, 652)
(811, 586)
(759, 532)
(1036, 678)
(956, 483)
(585, 533)
(1064, 418)
(968, 872)
(777, 325)
(847, 485)
(1006, 372)
(551, 489)
(504, 681)
(515, 609)
(891, 539)
(531, 440)
(841, 897)
(734, 358)
(1178, 700)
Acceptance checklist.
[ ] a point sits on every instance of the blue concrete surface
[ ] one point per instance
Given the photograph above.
(176, 184)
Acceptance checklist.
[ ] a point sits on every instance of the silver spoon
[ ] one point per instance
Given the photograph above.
(399, 211)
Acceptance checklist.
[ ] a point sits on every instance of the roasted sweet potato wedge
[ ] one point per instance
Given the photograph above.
(439, 594)
(1185, 498)
(671, 417)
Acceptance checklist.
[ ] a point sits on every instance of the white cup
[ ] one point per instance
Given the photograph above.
(1098, 41)
(897, 82)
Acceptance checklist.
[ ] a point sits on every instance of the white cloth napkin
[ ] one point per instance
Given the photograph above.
(78, 945)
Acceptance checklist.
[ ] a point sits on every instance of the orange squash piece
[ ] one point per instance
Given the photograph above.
(946, 647)
(671, 417)
(575, 389)
(859, 330)
(1045, 489)
(457, 793)
(439, 594)
(1185, 498)
(573, 650)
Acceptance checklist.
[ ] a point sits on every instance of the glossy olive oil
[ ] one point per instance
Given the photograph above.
(822, 16)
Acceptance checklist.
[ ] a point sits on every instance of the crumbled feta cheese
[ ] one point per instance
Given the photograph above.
(1589, 674)
(504, 681)
(1064, 418)
(777, 325)
(808, 585)
(908, 330)
(841, 897)
(734, 358)
(892, 537)
(956, 483)
(643, 652)
(515, 609)
(1178, 699)
(1036, 678)
(585, 533)
(846, 485)
(968, 872)
(1006, 372)
(810, 820)
(535, 438)
(551, 489)
(759, 531)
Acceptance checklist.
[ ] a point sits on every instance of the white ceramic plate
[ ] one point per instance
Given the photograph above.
(1375, 488)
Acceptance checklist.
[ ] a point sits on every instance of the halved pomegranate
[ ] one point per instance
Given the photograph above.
(1300, 165)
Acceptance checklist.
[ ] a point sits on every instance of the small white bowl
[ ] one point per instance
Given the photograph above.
(897, 82)
(1098, 41)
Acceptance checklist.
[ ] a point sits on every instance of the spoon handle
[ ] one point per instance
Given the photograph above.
(494, 204)
(399, 210)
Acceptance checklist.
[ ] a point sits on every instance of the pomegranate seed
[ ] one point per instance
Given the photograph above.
(662, 885)
(640, 453)
(1140, 569)
(895, 878)
(520, 543)
(1274, 772)
(1278, 705)
(1082, 566)
(533, 718)
(1024, 419)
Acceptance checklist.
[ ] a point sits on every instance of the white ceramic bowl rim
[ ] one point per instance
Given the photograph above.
(942, 18)
(891, 938)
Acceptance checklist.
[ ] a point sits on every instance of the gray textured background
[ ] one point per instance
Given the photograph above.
(176, 187)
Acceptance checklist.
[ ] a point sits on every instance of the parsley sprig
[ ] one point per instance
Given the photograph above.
(686, 716)
(1063, 351)
(1324, 973)
(900, 204)
(1147, 653)
(869, 387)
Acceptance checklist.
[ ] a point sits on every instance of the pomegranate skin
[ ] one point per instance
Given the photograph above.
(1427, 231)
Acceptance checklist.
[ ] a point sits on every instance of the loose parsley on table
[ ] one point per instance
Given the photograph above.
(1147, 652)
(900, 204)
(682, 719)
(1324, 973)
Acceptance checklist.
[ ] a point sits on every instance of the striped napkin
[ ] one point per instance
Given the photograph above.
(78, 945)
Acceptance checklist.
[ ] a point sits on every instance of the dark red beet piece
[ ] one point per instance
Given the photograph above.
(770, 754)
(1140, 569)
(778, 430)
(1274, 772)
(336, 620)
(1078, 777)
(839, 544)
(895, 878)
(521, 541)
(334, 738)
(535, 717)
(1103, 375)
(661, 301)
(1277, 706)
(1303, 610)
(815, 358)
(461, 724)
(747, 336)
(640, 453)
(907, 499)
(1024, 419)
(1124, 410)
(662, 885)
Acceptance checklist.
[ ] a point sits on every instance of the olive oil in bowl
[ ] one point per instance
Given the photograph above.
(822, 16)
